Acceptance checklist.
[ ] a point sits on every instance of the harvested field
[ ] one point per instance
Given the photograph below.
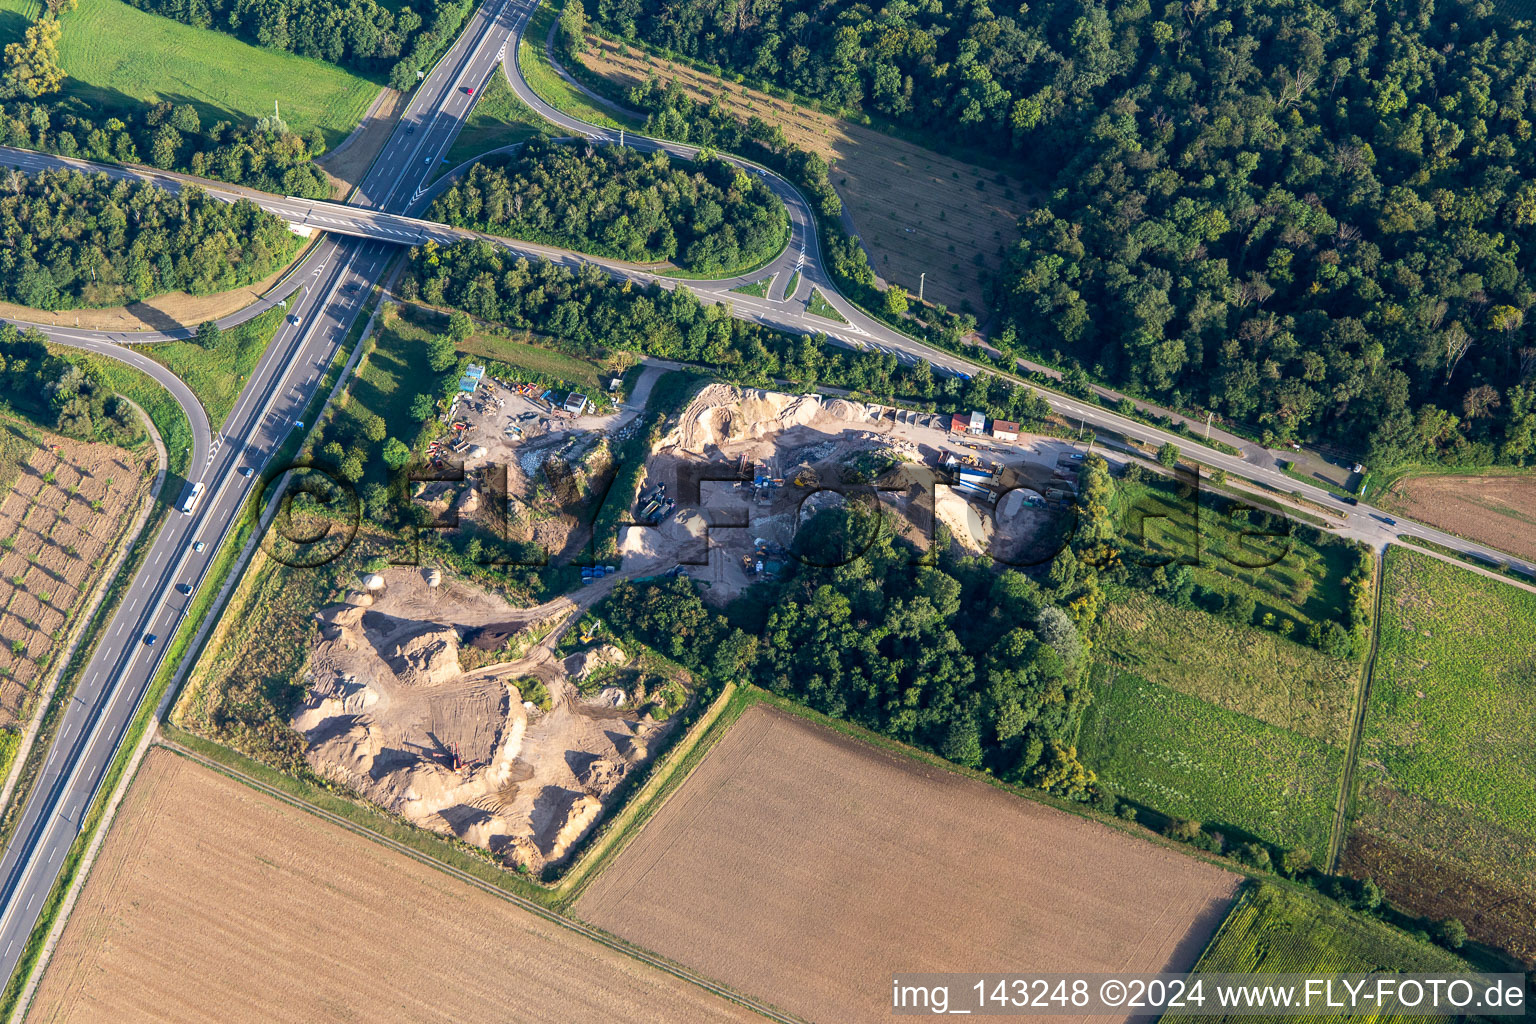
(65, 507)
(1499, 511)
(806, 868)
(213, 902)
(915, 209)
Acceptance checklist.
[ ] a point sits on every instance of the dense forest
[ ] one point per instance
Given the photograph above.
(69, 397)
(74, 240)
(708, 217)
(265, 155)
(366, 36)
(1317, 219)
(589, 310)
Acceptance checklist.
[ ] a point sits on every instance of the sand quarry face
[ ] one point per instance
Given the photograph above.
(390, 713)
(721, 414)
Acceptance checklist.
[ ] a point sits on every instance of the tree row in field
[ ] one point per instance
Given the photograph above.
(707, 216)
(75, 240)
(361, 34)
(1312, 220)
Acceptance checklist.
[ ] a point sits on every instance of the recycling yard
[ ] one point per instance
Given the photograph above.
(743, 469)
(729, 485)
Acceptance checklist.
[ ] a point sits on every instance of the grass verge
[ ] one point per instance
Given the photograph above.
(217, 375)
(789, 289)
(547, 84)
(819, 306)
(756, 288)
(499, 120)
(181, 643)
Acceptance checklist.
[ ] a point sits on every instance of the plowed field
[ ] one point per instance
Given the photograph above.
(1499, 511)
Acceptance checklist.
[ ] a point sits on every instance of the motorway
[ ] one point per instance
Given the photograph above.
(337, 276)
(361, 237)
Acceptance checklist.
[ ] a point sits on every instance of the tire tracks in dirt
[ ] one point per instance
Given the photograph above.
(1337, 835)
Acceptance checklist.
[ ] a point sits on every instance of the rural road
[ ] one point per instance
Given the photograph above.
(361, 239)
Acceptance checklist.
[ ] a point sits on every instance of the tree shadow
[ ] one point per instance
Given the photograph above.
(153, 317)
(13, 27)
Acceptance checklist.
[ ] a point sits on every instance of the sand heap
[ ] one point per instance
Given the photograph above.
(721, 413)
(971, 526)
(430, 658)
(849, 412)
(389, 713)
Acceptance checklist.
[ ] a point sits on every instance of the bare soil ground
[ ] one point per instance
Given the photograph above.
(348, 163)
(1499, 511)
(915, 209)
(211, 902)
(391, 712)
(807, 868)
(55, 536)
(161, 313)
